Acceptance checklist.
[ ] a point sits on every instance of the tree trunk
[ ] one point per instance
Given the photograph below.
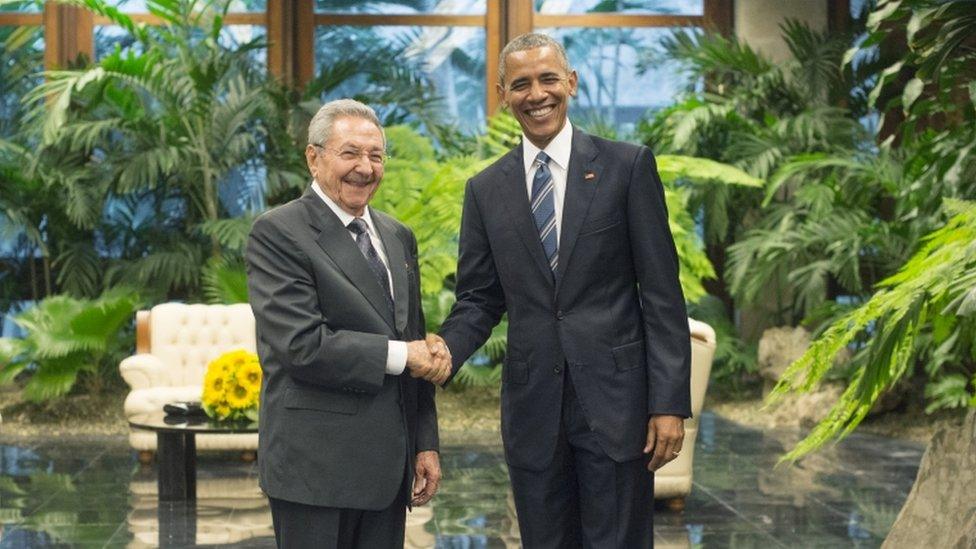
(941, 509)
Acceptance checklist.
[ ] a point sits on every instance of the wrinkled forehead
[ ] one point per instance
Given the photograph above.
(535, 62)
(359, 133)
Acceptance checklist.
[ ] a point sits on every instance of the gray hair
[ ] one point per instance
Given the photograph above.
(530, 41)
(320, 128)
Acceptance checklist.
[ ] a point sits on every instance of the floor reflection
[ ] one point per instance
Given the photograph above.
(93, 493)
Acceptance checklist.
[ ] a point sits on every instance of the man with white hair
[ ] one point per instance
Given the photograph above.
(348, 428)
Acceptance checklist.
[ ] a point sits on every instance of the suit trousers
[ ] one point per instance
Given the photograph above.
(300, 526)
(584, 498)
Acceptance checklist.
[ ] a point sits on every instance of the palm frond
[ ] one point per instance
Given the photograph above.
(904, 305)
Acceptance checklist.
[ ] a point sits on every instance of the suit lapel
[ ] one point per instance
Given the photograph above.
(582, 179)
(516, 197)
(334, 239)
(398, 268)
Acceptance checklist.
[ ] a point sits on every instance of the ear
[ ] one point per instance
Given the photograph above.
(310, 155)
(503, 101)
(573, 82)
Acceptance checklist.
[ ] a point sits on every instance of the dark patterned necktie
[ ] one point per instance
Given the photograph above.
(359, 228)
(544, 209)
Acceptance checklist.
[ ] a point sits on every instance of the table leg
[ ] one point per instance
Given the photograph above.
(177, 458)
(177, 523)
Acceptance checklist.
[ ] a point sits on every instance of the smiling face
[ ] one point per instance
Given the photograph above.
(537, 89)
(343, 167)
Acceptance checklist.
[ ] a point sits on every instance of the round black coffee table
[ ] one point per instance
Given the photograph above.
(176, 450)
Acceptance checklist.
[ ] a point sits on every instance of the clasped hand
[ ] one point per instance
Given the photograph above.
(429, 359)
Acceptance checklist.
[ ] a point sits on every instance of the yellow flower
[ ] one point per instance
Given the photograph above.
(223, 410)
(238, 397)
(249, 376)
(232, 384)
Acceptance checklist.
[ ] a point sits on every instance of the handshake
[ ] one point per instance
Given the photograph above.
(430, 359)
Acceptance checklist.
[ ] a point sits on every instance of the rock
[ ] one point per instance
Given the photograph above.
(804, 410)
(778, 348)
(941, 509)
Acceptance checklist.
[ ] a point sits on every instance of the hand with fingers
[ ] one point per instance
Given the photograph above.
(664, 437)
(441, 356)
(427, 477)
(422, 363)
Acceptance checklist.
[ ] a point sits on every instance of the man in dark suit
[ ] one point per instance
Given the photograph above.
(568, 233)
(334, 286)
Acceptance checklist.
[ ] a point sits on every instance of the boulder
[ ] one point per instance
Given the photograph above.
(941, 509)
(778, 348)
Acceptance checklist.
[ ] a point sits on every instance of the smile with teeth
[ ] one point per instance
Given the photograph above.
(540, 112)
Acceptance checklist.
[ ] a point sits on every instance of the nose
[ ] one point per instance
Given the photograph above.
(537, 91)
(363, 165)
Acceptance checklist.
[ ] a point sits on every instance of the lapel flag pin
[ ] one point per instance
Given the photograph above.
(589, 175)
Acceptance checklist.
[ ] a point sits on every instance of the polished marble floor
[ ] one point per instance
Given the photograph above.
(93, 493)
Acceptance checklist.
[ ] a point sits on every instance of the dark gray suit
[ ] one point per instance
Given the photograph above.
(613, 316)
(335, 430)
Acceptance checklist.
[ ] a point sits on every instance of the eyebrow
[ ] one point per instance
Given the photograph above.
(527, 78)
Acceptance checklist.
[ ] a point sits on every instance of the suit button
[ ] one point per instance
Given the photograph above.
(557, 369)
(559, 314)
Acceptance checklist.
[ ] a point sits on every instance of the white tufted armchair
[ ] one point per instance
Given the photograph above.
(174, 344)
(673, 481)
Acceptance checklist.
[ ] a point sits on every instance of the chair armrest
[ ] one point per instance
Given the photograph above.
(143, 371)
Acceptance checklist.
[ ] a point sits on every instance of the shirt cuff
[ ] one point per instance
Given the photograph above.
(396, 358)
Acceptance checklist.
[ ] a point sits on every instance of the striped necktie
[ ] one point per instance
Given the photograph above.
(359, 228)
(544, 209)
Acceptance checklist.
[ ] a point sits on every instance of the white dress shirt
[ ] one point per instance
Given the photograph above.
(558, 151)
(396, 356)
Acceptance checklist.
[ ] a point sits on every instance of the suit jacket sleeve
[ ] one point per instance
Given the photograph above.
(480, 298)
(285, 302)
(666, 333)
(427, 434)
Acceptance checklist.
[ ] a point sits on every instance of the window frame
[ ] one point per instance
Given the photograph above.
(290, 28)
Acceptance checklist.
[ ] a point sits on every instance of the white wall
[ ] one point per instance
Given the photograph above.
(757, 22)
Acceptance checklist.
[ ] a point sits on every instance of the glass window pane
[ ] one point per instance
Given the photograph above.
(26, 6)
(108, 37)
(21, 63)
(397, 70)
(613, 93)
(231, 36)
(234, 36)
(451, 7)
(658, 7)
(139, 6)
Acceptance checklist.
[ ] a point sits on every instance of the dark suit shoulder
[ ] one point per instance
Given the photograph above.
(618, 151)
(282, 213)
(497, 169)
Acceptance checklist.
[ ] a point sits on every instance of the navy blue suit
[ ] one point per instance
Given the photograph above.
(594, 349)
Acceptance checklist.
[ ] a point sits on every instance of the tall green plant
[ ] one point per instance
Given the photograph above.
(919, 319)
(171, 125)
(762, 115)
(69, 340)
(924, 312)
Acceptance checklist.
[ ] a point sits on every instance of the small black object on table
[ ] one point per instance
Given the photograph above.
(176, 448)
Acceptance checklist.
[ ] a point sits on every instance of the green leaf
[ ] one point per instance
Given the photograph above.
(884, 9)
(703, 170)
(53, 378)
(225, 281)
(913, 89)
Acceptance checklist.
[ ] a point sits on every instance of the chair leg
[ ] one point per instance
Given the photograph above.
(248, 456)
(145, 456)
(676, 505)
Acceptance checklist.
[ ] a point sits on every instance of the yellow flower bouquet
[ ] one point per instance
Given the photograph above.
(232, 386)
